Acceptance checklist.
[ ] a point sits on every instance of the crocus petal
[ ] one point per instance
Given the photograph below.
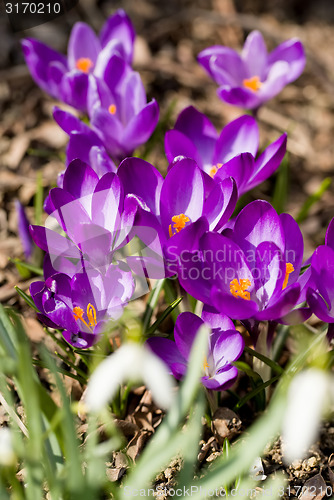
(330, 234)
(239, 96)
(294, 245)
(220, 204)
(221, 381)
(23, 229)
(182, 193)
(141, 126)
(319, 306)
(106, 202)
(110, 131)
(256, 223)
(228, 347)
(80, 340)
(282, 306)
(292, 52)
(83, 43)
(186, 328)
(79, 179)
(142, 179)
(236, 307)
(69, 123)
(240, 168)
(80, 146)
(216, 320)
(53, 243)
(167, 350)
(268, 162)
(119, 27)
(269, 273)
(239, 136)
(322, 269)
(178, 144)
(223, 64)
(74, 89)
(255, 55)
(199, 129)
(38, 57)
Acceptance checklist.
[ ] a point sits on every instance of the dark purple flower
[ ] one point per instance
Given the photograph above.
(320, 293)
(23, 228)
(250, 272)
(225, 346)
(231, 154)
(82, 304)
(66, 78)
(253, 77)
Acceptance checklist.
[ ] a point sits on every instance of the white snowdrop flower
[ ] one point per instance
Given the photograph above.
(7, 454)
(308, 396)
(256, 472)
(131, 362)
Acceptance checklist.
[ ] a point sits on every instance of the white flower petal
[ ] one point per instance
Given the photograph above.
(307, 397)
(256, 472)
(131, 362)
(157, 378)
(7, 454)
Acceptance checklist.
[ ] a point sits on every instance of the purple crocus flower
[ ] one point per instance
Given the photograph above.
(83, 303)
(182, 197)
(253, 77)
(225, 346)
(320, 293)
(66, 78)
(231, 154)
(250, 272)
(121, 118)
(23, 228)
(94, 213)
(118, 109)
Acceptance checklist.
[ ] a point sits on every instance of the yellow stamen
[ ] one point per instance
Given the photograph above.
(179, 223)
(288, 270)
(252, 83)
(215, 169)
(84, 64)
(238, 289)
(205, 363)
(112, 109)
(91, 315)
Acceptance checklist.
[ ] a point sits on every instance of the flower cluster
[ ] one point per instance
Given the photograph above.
(115, 221)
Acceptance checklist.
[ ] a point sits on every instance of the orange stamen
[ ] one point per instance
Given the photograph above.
(91, 315)
(112, 109)
(288, 270)
(238, 289)
(84, 64)
(205, 363)
(215, 169)
(179, 223)
(252, 83)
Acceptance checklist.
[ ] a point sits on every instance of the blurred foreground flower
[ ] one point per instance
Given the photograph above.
(130, 363)
(253, 77)
(311, 392)
(7, 454)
